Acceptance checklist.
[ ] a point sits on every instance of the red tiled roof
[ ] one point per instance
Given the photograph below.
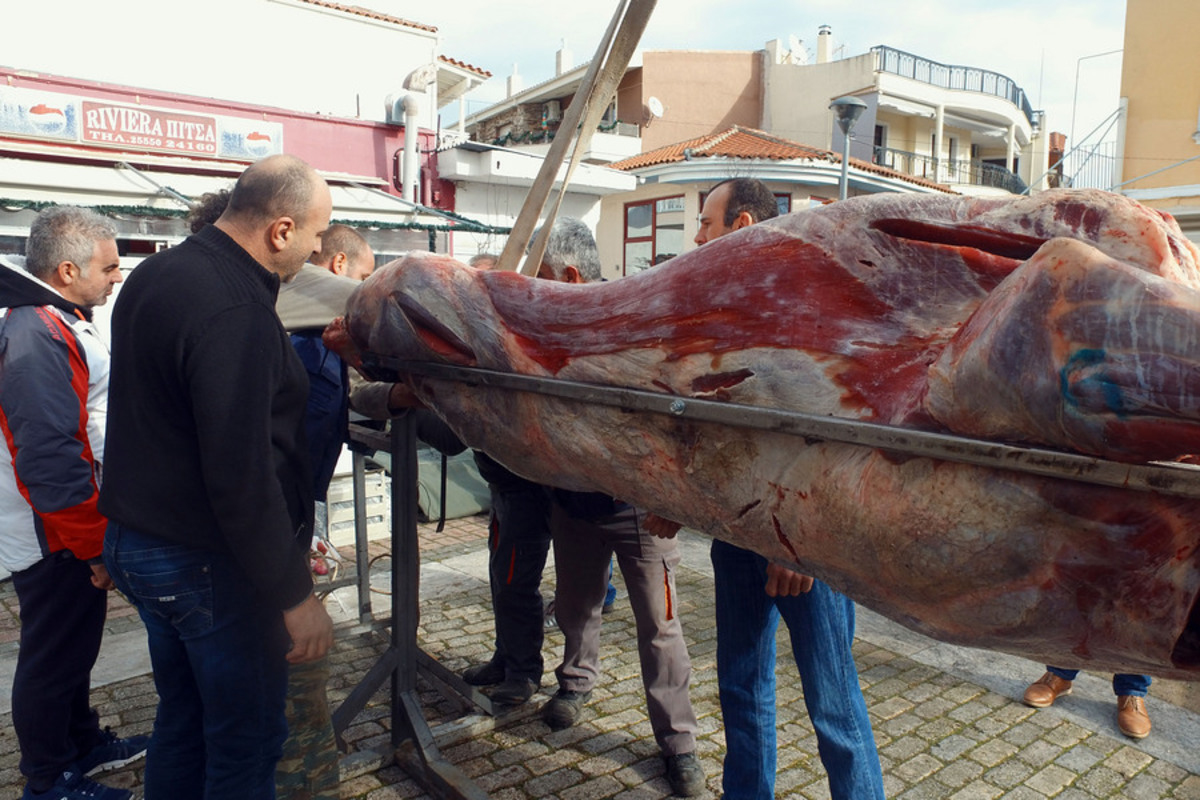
(464, 65)
(739, 142)
(366, 12)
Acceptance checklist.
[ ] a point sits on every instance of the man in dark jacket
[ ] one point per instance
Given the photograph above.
(53, 392)
(208, 485)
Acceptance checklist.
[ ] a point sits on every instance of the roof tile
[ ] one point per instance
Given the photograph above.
(742, 142)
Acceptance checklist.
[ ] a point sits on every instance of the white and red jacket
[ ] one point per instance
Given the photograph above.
(53, 401)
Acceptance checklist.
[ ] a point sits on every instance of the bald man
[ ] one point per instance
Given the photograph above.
(208, 487)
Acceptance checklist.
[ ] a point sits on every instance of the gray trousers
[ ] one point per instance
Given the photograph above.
(582, 553)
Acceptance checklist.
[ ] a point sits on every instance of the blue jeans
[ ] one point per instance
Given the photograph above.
(821, 624)
(1123, 684)
(219, 657)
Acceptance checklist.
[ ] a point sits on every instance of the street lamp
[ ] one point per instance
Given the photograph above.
(848, 110)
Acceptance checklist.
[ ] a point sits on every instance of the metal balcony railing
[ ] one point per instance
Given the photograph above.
(950, 76)
(973, 172)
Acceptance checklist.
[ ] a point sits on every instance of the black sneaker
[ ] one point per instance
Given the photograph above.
(112, 753)
(73, 785)
(514, 692)
(685, 775)
(487, 674)
(562, 710)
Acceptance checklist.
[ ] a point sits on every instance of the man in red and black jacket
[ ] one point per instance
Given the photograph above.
(53, 396)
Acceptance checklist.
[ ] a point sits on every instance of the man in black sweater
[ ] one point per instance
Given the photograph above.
(208, 485)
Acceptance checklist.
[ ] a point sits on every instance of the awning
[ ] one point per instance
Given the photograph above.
(118, 188)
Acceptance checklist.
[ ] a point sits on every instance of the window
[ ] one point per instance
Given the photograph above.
(653, 232)
(879, 150)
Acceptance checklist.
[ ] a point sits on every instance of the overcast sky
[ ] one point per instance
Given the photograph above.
(1038, 44)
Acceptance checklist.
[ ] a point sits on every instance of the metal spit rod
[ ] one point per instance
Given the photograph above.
(1165, 478)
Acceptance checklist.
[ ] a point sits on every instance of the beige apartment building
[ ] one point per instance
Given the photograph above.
(1160, 98)
(925, 124)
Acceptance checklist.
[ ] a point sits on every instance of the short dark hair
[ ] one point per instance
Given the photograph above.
(64, 233)
(277, 186)
(341, 239)
(750, 195)
(207, 210)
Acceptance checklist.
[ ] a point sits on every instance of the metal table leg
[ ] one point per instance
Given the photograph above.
(412, 737)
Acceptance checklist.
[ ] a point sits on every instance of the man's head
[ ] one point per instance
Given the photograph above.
(75, 251)
(733, 204)
(345, 252)
(277, 212)
(571, 255)
(483, 261)
(207, 210)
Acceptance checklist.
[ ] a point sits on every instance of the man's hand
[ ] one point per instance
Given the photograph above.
(311, 630)
(662, 528)
(101, 578)
(785, 583)
(401, 397)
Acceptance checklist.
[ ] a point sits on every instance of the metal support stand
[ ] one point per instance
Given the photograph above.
(412, 738)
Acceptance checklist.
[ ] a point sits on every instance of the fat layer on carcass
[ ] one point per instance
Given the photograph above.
(1066, 320)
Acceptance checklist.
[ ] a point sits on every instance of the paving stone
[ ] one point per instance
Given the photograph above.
(940, 734)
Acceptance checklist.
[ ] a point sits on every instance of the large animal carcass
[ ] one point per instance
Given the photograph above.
(1068, 320)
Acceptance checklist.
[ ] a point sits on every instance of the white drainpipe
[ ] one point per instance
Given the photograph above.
(409, 167)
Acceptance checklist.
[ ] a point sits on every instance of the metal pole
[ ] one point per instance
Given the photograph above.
(842, 184)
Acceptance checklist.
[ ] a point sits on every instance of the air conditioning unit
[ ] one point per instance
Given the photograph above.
(553, 111)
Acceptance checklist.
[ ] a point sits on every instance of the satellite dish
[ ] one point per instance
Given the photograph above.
(655, 105)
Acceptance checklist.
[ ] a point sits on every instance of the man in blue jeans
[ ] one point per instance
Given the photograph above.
(752, 595)
(1131, 690)
(208, 487)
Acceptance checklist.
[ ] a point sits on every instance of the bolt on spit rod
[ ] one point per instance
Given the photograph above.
(1162, 477)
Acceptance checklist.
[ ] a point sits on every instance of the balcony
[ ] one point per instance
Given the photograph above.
(972, 172)
(948, 76)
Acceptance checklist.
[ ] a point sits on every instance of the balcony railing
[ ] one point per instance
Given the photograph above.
(949, 76)
(968, 171)
(546, 134)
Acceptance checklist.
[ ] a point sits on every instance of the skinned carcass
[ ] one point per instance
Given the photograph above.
(1068, 320)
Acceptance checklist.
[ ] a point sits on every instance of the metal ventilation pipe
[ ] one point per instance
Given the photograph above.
(410, 169)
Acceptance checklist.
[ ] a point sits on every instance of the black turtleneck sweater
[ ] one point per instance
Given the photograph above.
(205, 443)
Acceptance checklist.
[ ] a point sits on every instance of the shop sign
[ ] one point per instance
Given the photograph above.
(29, 113)
(111, 124)
(38, 115)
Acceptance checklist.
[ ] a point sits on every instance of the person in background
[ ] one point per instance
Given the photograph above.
(483, 261)
(588, 529)
(308, 768)
(208, 487)
(1131, 691)
(53, 395)
(751, 596)
(345, 252)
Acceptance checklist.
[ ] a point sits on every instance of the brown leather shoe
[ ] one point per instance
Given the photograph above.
(1132, 718)
(1045, 690)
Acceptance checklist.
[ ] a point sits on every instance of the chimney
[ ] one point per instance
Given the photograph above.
(564, 60)
(515, 84)
(824, 44)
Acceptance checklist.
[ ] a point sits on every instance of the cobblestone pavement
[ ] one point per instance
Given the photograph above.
(946, 719)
